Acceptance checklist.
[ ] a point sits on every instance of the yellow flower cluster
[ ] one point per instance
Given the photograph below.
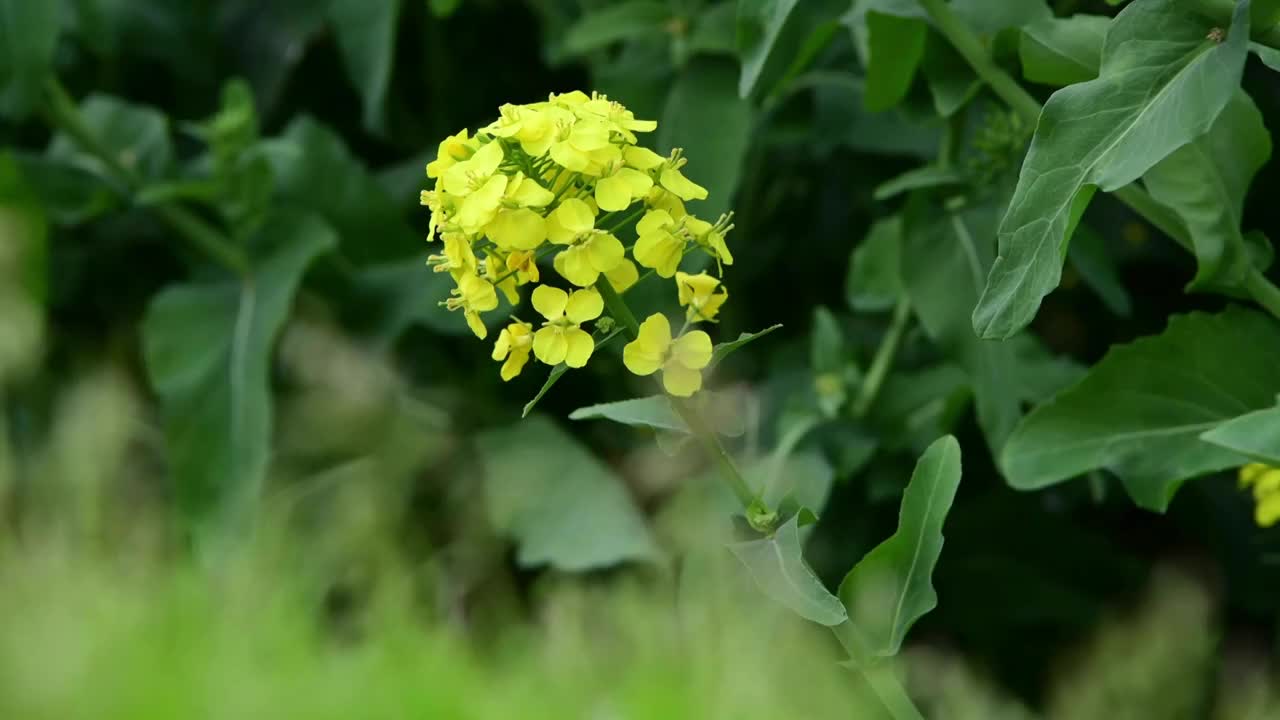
(1265, 481)
(564, 178)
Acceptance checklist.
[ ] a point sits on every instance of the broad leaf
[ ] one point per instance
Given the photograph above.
(1162, 84)
(366, 34)
(557, 501)
(28, 38)
(896, 47)
(208, 348)
(892, 586)
(777, 565)
(1255, 434)
(944, 290)
(136, 135)
(653, 412)
(704, 116)
(1063, 51)
(1141, 408)
(952, 82)
(315, 171)
(600, 28)
(1205, 182)
(874, 282)
(723, 350)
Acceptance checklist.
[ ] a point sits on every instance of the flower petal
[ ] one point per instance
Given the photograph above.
(550, 346)
(549, 302)
(613, 193)
(574, 266)
(675, 181)
(681, 381)
(584, 305)
(520, 229)
(604, 251)
(692, 350)
(623, 276)
(580, 347)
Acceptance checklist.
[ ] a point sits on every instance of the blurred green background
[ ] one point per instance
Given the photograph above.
(215, 314)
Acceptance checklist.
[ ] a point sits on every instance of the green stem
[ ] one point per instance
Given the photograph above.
(970, 47)
(883, 360)
(878, 672)
(63, 113)
(706, 436)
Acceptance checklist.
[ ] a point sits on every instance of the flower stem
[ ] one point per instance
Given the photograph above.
(687, 410)
(970, 47)
(883, 360)
(64, 114)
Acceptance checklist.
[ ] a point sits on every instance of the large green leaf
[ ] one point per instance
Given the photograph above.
(208, 347)
(600, 28)
(316, 172)
(951, 253)
(1141, 408)
(653, 412)
(777, 565)
(136, 135)
(892, 586)
(1255, 434)
(1205, 181)
(713, 125)
(366, 34)
(557, 501)
(28, 37)
(760, 24)
(895, 48)
(1162, 84)
(874, 282)
(1063, 51)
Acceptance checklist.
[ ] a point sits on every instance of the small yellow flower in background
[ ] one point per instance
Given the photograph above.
(698, 294)
(623, 276)
(1265, 481)
(661, 243)
(560, 340)
(514, 344)
(473, 296)
(681, 360)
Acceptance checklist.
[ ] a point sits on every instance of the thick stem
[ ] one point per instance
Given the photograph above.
(63, 113)
(883, 360)
(970, 47)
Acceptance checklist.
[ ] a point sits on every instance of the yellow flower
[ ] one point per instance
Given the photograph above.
(525, 192)
(623, 276)
(660, 198)
(569, 222)
(675, 181)
(711, 237)
(620, 186)
(480, 186)
(698, 293)
(661, 243)
(496, 273)
(560, 340)
(517, 229)
(525, 265)
(473, 296)
(618, 117)
(681, 361)
(458, 257)
(514, 344)
(598, 252)
(1265, 481)
(529, 125)
(452, 150)
(580, 144)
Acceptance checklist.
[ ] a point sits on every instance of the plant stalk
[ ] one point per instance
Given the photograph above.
(64, 114)
(883, 360)
(971, 48)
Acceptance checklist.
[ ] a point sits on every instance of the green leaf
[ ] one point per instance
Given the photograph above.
(1255, 434)
(1063, 51)
(24, 236)
(760, 24)
(842, 120)
(1205, 182)
(557, 501)
(924, 177)
(366, 35)
(777, 565)
(1141, 408)
(723, 350)
(874, 282)
(895, 47)
(208, 348)
(315, 171)
(136, 135)
(1268, 55)
(610, 24)
(654, 412)
(988, 17)
(892, 586)
(1162, 84)
(28, 38)
(706, 118)
(952, 82)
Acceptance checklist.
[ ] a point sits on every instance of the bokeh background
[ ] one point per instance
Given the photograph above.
(409, 535)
